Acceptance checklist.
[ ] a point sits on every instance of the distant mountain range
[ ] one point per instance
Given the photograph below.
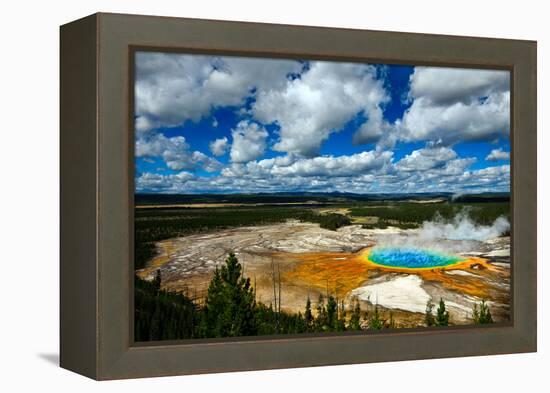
(307, 197)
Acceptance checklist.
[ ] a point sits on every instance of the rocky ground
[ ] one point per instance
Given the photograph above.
(310, 261)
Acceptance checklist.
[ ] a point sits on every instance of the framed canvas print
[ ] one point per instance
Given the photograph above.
(240, 196)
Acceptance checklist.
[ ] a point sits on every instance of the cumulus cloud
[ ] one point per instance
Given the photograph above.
(249, 141)
(175, 152)
(426, 158)
(219, 146)
(144, 124)
(287, 167)
(172, 88)
(305, 103)
(451, 105)
(447, 86)
(498, 155)
(485, 120)
(155, 182)
(453, 177)
(486, 179)
(352, 165)
(375, 130)
(325, 97)
(430, 169)
(368, 172)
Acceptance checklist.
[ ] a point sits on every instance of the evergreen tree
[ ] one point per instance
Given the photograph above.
(355, 319)
(162, 315)
(429, 318)
(157, 281)
(475, 314)
(321, 318)
(229, 307)
(308, 316)
(332, 313)
(300, 324)
(375, 322)
(155, 324)
(442, 318)
(483, 314)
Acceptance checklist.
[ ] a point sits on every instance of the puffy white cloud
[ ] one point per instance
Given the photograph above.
(289, 167)
(498, 155)
(257, 169)
(249, 141)
(453, 176)
(426, 158)
(156, 144)
(175, 152)
(485, 120)
(342, 166)
(457, 167)
(219, 146)
(446, 106)
(321, 101)
(162, 183)
(172, 88)
(361, 173)
(447, 86)
(486, 179)
(451, 105)
(375, 130)
(144, 124)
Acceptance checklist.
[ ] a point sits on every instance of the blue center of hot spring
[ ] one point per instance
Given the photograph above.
(412, 258)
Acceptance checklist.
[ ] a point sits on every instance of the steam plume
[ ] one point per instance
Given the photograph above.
(462, 227)
(460, 234)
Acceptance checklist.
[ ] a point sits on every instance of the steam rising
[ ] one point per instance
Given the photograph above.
(457, 195)
(462, 227)
(460, 234)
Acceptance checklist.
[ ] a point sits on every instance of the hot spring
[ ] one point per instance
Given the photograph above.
(411, 258)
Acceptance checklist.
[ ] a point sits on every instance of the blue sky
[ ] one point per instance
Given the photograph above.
(231, 124)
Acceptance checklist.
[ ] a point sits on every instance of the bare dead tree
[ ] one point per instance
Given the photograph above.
(254, 288)
(336, 294)
(279, 274)
(273, 279)
(274, 296)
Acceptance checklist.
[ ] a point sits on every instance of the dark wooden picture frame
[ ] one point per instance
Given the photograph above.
(97, 190)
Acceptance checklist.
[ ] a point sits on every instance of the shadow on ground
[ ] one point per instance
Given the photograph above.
(52, 358)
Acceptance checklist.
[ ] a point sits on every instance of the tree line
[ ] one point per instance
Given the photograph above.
(231, 310)
(416, 213)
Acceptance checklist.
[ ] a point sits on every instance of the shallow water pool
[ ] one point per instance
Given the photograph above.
(411, 258)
